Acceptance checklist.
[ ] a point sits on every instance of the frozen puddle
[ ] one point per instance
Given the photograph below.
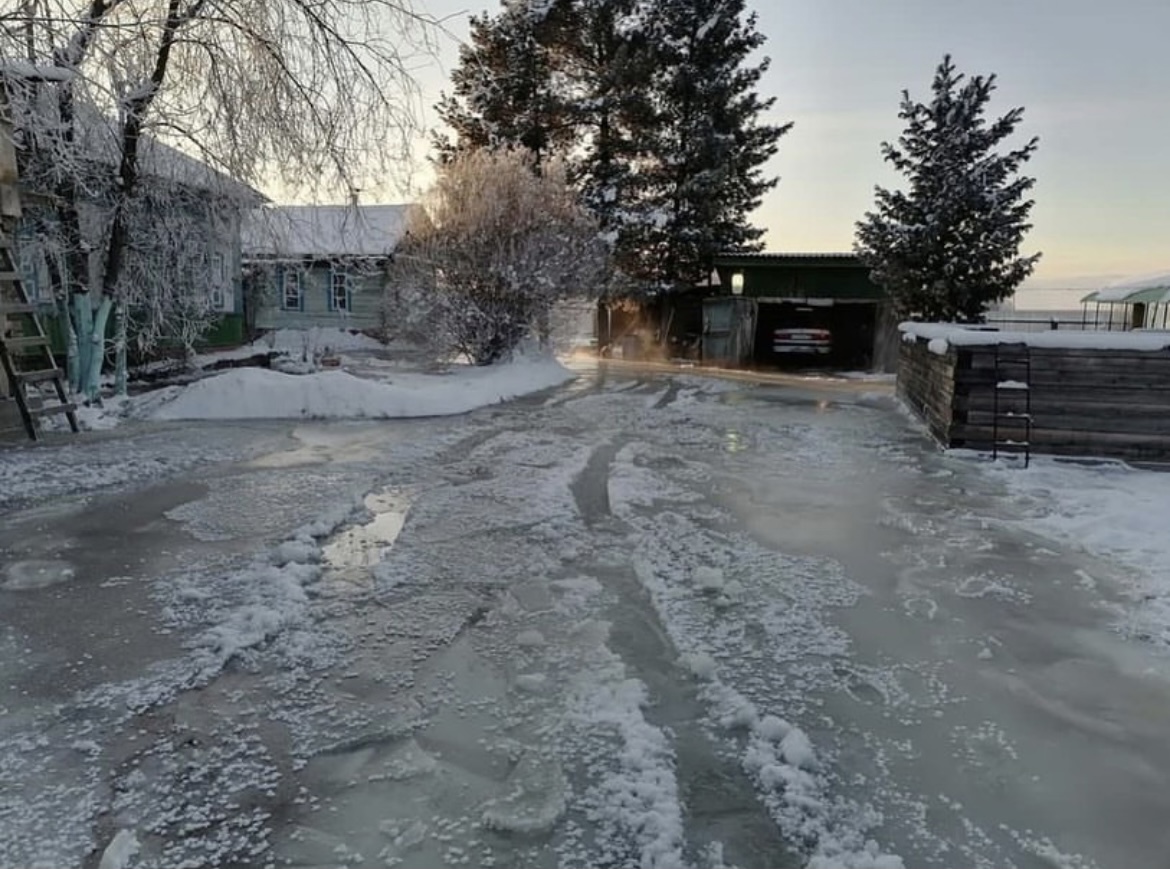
(36, 573)
(352, 554)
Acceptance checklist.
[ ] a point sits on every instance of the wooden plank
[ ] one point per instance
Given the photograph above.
(1069, 380)
(51, 409)
(1070, 423)
(1046, 436)
(39, 376)
(26, 342)
(1050, 405)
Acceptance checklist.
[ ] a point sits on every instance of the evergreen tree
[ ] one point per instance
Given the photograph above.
(711, 144)
(948, 247)
(606, 67)
(504, 93)
(655, 106)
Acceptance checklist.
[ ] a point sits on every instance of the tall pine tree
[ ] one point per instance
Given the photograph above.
(711, 144)
(656, 106)
(948, 246)
(504, 90)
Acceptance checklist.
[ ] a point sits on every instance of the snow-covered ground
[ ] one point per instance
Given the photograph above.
(1111, 510)
(639, 621)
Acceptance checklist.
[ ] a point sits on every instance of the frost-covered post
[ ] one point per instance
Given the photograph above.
(491, 250)
(948, 246)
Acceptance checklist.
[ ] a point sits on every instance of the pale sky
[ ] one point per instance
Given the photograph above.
(1092, 75)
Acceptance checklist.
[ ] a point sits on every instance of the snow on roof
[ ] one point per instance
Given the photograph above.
(958, 335)
(1149, 288)
(324, 230)
(98, 138)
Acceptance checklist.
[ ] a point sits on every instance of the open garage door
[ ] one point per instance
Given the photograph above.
(815, 333)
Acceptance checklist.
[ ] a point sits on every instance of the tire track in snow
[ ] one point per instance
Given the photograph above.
(718, 812)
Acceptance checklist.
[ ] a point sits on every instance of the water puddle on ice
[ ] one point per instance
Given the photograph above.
(354, 551)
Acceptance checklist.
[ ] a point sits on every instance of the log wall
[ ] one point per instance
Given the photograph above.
(1084, 402)
(926, 383)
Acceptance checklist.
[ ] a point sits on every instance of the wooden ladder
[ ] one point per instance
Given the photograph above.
(25, 353)
(1012, 403)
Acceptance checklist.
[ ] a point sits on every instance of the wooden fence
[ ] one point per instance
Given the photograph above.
(1083, 402)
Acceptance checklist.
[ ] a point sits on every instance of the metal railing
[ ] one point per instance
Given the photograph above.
(1070, 321)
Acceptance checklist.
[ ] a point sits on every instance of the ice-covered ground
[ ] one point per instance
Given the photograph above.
(1113, 511)
(640, 621)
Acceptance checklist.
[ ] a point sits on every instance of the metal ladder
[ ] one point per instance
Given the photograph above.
(1012, 401)
(25, 353)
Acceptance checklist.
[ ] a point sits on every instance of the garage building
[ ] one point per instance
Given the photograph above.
(774, 309)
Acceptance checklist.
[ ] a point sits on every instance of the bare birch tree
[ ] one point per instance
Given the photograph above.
(490, 251)
(313, 95)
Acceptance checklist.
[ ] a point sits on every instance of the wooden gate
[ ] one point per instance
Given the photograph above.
(729, 330)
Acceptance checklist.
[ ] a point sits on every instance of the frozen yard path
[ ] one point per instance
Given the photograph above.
(641, 620)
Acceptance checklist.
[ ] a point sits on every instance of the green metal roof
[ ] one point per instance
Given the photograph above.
(764, 258)
(1147, 296)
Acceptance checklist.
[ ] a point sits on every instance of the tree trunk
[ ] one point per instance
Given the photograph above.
(83, 319)
(120, 321)
(97, 340)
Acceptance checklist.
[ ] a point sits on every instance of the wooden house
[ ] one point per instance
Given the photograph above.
(319, 265)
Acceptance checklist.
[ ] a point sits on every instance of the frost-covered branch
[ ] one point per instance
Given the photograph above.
(492, 249)
(317, 94)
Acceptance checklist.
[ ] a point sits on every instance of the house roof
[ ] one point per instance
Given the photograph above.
(98, 139)
(1150, 289)
(766, 258)
(766, 255)
(324, 230)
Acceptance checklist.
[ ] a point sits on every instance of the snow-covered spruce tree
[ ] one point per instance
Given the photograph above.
(607, 65)
(569, 77)
(505, 89)
(654, 104)
(491, 249)
(948, 246)
(710, 139)
(319, 95)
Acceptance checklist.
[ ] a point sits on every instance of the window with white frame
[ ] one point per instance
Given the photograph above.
(34, 273)
(219, 285)
(339, 295)
(292, 296)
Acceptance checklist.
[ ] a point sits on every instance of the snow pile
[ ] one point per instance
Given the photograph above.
(256, 393)
(640, 797)
(1110, 510)
(273, 597)
(317, 337)
(942, 336)
(297, 343)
